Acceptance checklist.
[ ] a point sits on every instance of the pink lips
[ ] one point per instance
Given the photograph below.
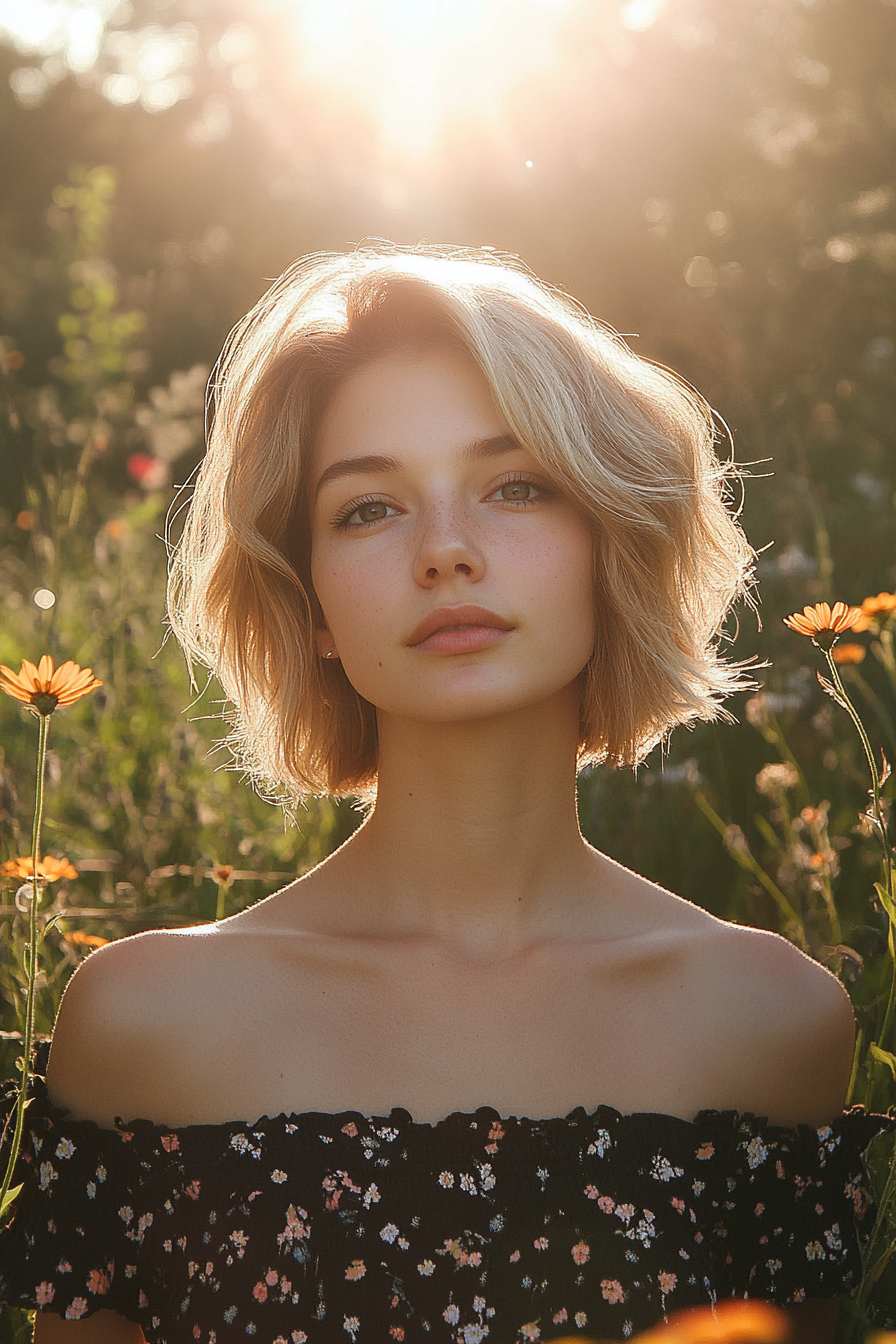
(459, 630)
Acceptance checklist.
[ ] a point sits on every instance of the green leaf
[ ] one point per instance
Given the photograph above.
(878, 1269)
(8, 1198)
(830, 689)
(768, 832)
(884, 897)
(883, 1057)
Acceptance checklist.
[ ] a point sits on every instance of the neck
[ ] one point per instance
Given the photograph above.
(474, 837)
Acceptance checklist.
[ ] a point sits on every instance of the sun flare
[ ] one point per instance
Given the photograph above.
(417, 66)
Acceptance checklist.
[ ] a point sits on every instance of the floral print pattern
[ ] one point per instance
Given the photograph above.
(309, 1228)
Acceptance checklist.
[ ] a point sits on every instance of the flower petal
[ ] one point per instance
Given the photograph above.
(45, 672)
(28, 675)
(11, 684)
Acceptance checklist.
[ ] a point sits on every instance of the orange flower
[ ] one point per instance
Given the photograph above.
(726, 1323)
(849, 653)
(222, 872)
(823, 624)
(873, 608)
(46, 686)
(48, 868)
(81, 939)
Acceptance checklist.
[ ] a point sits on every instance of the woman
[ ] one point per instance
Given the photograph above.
(451, 540)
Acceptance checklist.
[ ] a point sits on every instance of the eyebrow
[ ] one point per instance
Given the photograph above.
(378, 464)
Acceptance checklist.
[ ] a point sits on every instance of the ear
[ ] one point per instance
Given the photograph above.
(325, 645)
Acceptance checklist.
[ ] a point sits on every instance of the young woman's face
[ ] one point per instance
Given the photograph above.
(455, 579)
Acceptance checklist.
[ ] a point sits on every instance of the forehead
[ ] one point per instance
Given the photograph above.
(434, 401)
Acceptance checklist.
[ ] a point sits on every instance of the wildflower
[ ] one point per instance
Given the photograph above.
(81, 939)
(775, 778)
(139, 465)
(824, 624)
(759, 1322)
(876, 609)
(612, 1290)
(849, 654)
(48, 868)
(46, 686)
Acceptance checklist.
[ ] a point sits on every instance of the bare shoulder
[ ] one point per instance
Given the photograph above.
(118, 1010)
(789, 1024)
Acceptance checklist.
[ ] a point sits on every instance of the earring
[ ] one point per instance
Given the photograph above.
(330, 653)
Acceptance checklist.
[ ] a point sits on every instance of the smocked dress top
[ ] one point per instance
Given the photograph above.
(315, 1228)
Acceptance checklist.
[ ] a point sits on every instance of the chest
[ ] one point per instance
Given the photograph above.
(534, 1036)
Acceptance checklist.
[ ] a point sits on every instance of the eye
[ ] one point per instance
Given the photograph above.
(372, 512)
(521, 490)
(517, 490)
(364, 513)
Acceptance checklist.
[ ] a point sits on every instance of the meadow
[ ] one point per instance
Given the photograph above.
(727, 201)
(778, 820)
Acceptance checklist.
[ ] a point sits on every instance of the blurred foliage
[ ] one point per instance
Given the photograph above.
(720, 186)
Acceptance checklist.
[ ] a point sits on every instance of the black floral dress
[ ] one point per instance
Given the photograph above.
(314, 1228)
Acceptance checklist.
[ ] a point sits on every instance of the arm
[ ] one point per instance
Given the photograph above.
(799, 1068)
(87, 1081)
(105, 1327)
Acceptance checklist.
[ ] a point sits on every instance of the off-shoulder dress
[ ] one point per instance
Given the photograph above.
(313, 1228)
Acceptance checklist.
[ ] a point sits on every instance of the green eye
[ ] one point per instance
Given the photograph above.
(374, 512)
(516, 491)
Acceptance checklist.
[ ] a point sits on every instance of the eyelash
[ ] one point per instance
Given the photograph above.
(341, 521)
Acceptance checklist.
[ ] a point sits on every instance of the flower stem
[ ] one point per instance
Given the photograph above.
(866, 741)
(28, 1033)
(880, 826)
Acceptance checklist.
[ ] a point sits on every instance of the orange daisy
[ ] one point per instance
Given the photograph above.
(875, 609)
(824, 624)
(50, 869)
(849, 653)
(727, 1323)
(81, 939)
(46, 686)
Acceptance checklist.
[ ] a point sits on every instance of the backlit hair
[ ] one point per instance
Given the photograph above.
(630, 442)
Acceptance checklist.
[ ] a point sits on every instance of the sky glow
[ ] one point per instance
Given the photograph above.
(417, 65)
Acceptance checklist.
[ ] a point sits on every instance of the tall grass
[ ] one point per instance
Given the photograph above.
(765, 823)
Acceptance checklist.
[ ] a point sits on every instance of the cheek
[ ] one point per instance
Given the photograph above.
(351, 596)
(565, 578)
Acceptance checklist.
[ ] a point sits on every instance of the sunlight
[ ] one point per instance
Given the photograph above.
(418, 65)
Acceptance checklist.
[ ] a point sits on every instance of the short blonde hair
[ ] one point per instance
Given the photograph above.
(629, 441)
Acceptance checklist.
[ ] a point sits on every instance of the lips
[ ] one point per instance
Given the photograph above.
(452, 620)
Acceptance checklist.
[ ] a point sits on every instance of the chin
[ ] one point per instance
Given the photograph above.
(444, 705)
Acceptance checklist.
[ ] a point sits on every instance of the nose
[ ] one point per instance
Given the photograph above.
(447, 549)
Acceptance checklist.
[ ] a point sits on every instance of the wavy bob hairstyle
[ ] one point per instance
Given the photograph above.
(630, 442)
